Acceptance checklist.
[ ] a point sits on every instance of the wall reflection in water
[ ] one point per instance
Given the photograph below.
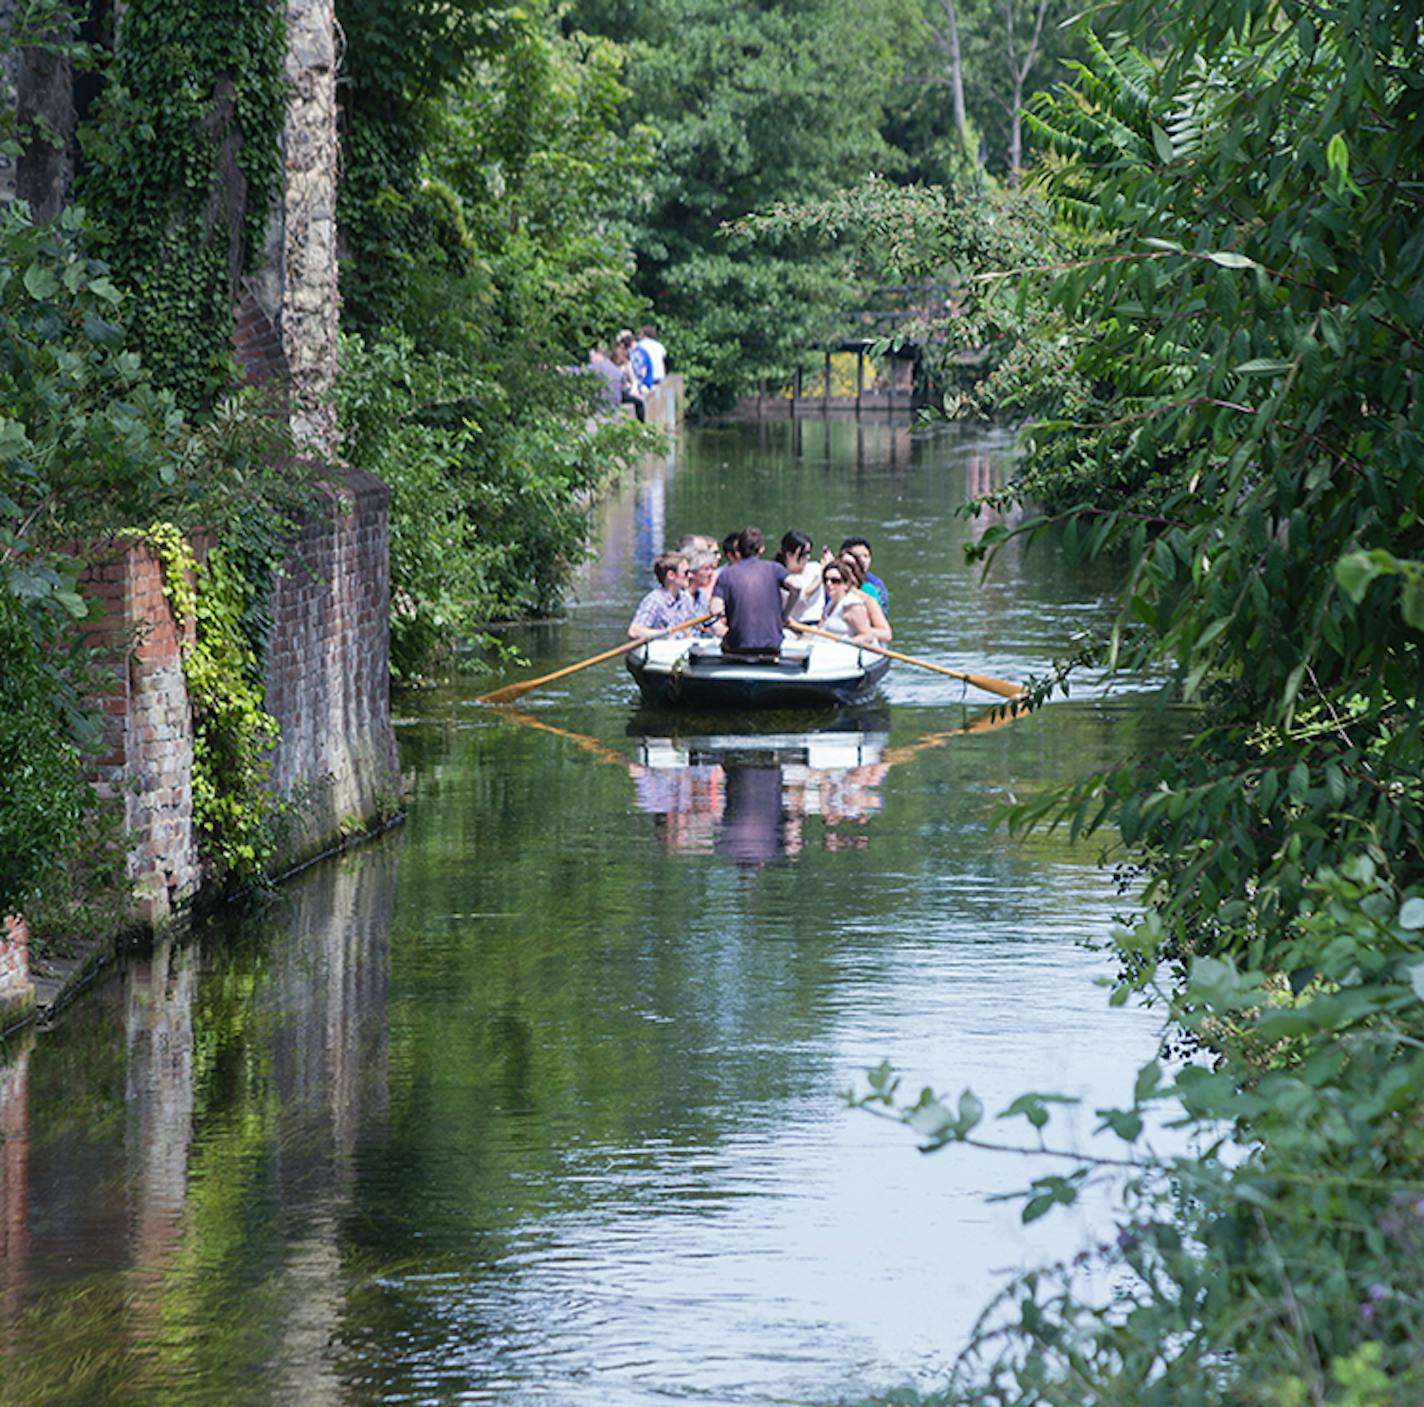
(227, 1092)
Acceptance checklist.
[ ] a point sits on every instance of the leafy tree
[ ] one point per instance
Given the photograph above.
(753, 103)
(485, 262)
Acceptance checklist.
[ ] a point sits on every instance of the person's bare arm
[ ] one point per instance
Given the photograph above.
(879, 625)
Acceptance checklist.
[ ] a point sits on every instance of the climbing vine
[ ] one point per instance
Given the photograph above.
(183, 161)
(233, 734)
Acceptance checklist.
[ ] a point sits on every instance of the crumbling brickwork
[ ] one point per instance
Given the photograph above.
(149, 764)
(327, 688)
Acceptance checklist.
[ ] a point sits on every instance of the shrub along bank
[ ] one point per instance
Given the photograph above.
(1239, 424)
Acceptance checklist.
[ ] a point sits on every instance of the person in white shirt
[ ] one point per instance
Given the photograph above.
(655, 352)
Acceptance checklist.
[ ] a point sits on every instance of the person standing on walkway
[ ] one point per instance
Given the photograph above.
(749, 594)
(654, 354)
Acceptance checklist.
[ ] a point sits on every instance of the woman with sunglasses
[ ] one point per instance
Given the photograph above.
(847, 612)
(854, 572)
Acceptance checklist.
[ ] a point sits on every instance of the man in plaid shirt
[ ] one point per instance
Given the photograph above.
(668, 603)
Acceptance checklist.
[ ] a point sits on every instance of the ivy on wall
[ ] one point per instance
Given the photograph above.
(233, 734)
(182, 164)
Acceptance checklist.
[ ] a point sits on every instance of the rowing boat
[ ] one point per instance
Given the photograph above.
(695, 674)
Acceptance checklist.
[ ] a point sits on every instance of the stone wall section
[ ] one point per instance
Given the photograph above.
(311, 303)
(327, 688)
(17, 992)
(328, 665)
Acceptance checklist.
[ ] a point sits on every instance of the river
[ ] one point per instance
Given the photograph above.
(540, 1097)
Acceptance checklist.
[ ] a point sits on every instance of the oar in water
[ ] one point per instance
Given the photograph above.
(517, 691)
(1002, 687)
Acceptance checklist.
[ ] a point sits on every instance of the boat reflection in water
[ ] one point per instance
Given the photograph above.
(747, 795)
(744, 785)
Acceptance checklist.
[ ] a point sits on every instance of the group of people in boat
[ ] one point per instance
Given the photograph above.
(752, 599)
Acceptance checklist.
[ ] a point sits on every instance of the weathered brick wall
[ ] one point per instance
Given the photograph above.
(149, 764)
(256, 343)
(17, 994)
(329, 661)
(327, 687)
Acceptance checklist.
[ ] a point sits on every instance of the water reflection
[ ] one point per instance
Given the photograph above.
(747, 790)
(207, 1095)
(748, 796)
(537, 1100)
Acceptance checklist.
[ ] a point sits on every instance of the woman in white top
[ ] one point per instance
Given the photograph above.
(795, 556)
(854, 573)
(846, 610)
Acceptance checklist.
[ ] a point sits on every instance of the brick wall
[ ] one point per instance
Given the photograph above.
(327, 687)
(328, 667)
(149, 764)
(256, 343)
(17, 995)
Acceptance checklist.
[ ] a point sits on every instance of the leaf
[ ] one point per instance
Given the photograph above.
(1163, 144)
(971, 1111)
(1354, 573)
(1411, 914)
(1337, 155)
(40, 283)
(1411, 603)
(1261, 366)
(931, 1121)
(1231, 260)
(1148, 1078)
(1416, 979)
(1125, 1123)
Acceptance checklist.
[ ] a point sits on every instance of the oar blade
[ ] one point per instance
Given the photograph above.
(509, 693)
(1002, 687)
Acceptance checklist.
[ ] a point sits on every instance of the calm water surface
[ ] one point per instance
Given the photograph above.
(539, 1098)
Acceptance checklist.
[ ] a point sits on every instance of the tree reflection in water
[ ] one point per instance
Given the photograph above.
(747, 795)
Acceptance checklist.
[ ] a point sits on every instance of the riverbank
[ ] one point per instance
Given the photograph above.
(332, 770)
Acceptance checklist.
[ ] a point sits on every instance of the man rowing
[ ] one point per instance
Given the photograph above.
(750, 596)
(668, 603)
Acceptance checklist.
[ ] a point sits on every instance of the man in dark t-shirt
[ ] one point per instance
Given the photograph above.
(749, 592)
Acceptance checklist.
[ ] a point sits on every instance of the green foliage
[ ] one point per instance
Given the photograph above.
(87, 445)
(484, 266)
(233, 735)
(1001, 343)
(183, 161)
(487, 496)
(42, 801)
(83, 434)
(1241, 432)
(1276, 1264)
(752, 104)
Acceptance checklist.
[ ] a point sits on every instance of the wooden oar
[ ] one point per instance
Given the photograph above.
(517, 691)
(1002, 687)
